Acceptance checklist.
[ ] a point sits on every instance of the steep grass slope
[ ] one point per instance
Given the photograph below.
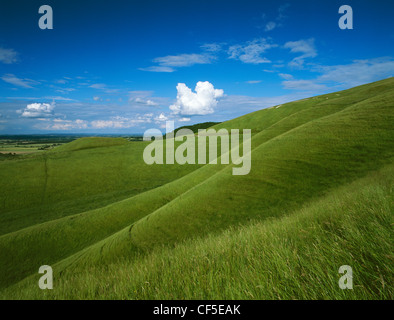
(294, 257)
(86, 174)
(263, 119)
(301, 151)
(295, 166)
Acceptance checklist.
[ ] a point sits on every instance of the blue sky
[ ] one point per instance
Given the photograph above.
(126, 66)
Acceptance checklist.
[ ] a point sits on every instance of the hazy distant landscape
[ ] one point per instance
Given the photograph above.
(16, 145)
(319, 195)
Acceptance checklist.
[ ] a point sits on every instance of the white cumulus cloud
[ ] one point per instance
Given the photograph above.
(201, 102)
(161, 117)
(38, 110)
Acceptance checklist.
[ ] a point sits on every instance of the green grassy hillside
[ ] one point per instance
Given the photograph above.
(85, 174)
(294, 257)
(91, 142)
(302, 153)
